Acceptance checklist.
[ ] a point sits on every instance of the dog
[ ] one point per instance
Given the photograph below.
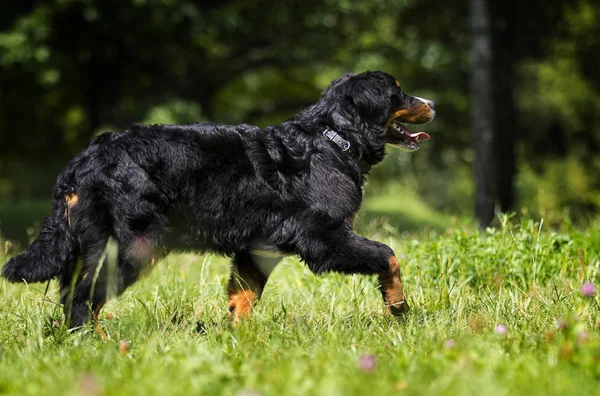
(253, 194)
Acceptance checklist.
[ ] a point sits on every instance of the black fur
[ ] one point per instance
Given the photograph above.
(219, 188)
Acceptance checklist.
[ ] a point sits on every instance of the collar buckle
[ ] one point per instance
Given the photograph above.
(342, 143)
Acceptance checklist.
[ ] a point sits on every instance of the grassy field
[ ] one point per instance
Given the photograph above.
(500, 312)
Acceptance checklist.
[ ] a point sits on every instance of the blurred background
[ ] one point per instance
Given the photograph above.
(517, 87)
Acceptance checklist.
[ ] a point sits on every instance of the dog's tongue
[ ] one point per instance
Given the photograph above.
(420, 136)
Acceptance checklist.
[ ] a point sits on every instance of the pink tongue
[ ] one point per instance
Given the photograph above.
(420, 136)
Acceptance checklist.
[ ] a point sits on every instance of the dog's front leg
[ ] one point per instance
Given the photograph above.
(247, 281)
(392, 290)
(341, 250)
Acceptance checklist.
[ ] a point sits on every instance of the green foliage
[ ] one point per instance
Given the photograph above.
(400, 206)
(20, 221)
(560, 101)
(72, 69)
(169, 332)
(562, 189)
(173, 112)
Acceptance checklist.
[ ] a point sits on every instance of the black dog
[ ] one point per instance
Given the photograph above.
(250, 193)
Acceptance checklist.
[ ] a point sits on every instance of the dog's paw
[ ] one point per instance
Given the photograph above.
(398, 309)
(240, 304)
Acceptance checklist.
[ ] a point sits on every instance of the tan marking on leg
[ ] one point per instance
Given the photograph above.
(248, 277)
(97, 325)
(392, 290)
(240, 304)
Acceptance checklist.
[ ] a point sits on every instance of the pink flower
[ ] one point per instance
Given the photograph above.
(583, 337)
(449, 344)
(588, 289)
(123, 347)
(367, 362)
(501, 329)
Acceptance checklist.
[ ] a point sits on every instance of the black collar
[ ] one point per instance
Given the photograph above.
(346, 146)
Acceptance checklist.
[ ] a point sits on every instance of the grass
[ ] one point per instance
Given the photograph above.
(169, 333)
(402, 208)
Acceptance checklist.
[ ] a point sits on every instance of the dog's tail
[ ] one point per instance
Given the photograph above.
(53, 249)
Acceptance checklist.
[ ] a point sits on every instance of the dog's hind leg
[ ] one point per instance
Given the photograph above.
(89, 283)
(97, 326)
(248, 278)
(107, 273)
(84, 287)
(78, 305)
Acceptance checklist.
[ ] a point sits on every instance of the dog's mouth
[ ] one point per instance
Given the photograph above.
(401, 137)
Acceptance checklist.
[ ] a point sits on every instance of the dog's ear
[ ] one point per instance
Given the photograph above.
(340, 117)
(370, 101)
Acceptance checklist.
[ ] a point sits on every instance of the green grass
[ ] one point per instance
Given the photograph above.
(402, 208)
(308, 333)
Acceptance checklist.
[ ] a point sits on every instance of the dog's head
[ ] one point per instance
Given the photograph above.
(376, 100)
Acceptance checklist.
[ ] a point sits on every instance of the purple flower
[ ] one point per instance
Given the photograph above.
(449, 344)
(583, 337)
(500, 329)
(588, 289)
(561, 324)
(367, 362)
(89, 384)
(123, 347)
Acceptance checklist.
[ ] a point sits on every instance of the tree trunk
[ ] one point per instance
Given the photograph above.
(505, 121)
(483, 111)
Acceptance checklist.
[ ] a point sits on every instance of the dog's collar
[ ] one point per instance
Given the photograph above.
(345, 145)
(342, 143)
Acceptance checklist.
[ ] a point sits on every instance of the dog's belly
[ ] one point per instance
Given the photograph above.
(267, 258)
(268, 253)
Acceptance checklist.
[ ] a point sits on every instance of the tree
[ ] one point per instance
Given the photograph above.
(483, 111)
(71, 68)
